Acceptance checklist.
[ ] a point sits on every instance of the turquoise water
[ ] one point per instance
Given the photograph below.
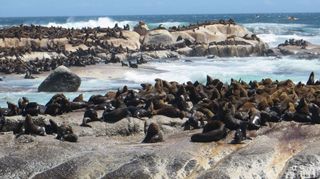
(250, 68)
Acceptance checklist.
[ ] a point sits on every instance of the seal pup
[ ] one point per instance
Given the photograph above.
(153, 134)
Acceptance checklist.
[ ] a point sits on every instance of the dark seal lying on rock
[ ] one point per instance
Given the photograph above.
(61, 80)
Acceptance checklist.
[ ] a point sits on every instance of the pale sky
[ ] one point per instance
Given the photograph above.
(18, 8)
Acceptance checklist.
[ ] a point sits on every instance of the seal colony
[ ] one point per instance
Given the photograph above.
(35, 49)
(216, 107)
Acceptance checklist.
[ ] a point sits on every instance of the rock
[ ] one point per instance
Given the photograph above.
(296, 48)
(132, 41)
(158, 37)
(161, 54)
(141, 28)
(200, 50)
(305, 164)
(60, 80)
(186, 51)
(283, 150)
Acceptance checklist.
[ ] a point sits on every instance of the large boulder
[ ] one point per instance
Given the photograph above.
(61, 80)
(157, 37)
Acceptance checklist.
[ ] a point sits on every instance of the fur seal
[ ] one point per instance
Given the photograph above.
(31, 128)
(32, 109)
(65, 133)
(116, 115)
(302, 112)
(90, 115)
(212, 131)
(240, 134)
(153, 134)
(13, 109)
(52, 127)
(78, 98)
(311, 79)
(169, 112)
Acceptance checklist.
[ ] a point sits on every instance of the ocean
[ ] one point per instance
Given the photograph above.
(271, 28)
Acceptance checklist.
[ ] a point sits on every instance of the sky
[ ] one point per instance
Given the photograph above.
(21, 8)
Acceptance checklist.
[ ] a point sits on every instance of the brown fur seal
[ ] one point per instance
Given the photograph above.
(32, 109)
(13, 109)
(302, 112)
(65, 133)
(52, 127)
(22, 102)
(169, 112)
(240, 135)
(116, 115)
(31, 128)
(78, 98)
(90, 115)
(213, 131)
(153, 134)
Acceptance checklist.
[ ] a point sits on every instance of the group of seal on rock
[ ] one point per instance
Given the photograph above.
(198, 24)
(301, 43)
(95, 39)
(217, 107)
(64, 132)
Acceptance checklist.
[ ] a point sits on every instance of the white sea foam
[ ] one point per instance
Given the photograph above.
(252, 68)
(100, 22)
(275, 34)
(274, 40)
(274, 28)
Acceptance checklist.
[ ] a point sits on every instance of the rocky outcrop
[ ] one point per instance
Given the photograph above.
(296, 48)
(60, 80)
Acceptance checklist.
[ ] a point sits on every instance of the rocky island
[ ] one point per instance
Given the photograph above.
(37, 49)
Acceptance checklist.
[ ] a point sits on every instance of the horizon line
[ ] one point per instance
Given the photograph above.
(161, 14)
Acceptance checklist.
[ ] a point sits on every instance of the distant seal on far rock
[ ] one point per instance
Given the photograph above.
(61, 80)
